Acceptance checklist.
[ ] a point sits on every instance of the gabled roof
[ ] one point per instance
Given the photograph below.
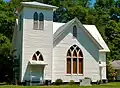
(56, 26)
(95, 33)
(60, 30)
(91, 30)
(116, 64)
(38, 4)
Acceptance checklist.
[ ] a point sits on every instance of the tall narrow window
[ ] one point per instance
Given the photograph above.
(37, 56)
(75, 31)
(74, 60)
(80, 65)
(68, 65)
(74, 65)
(80, 59)
(35, 16)
(41, 21)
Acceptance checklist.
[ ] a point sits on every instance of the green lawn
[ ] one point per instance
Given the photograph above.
(108, 85)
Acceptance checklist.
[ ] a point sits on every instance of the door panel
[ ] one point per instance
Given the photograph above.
(36, 74)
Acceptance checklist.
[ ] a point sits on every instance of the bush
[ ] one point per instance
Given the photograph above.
(58, 82)
(111, 73)
(71, 82)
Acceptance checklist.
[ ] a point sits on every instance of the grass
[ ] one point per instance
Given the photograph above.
(108, 85)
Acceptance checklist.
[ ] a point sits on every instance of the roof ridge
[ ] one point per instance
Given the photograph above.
(35, 3)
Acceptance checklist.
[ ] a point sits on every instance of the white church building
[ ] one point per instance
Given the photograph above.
(49, 50)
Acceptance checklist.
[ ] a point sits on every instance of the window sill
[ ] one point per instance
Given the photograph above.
(80, 74)
(68, 74)
(35, 28)
(74, 74)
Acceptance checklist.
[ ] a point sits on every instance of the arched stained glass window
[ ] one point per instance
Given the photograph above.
(35, 16)
(37, 56)
(41, 21)
(74, 60)
(75, 31)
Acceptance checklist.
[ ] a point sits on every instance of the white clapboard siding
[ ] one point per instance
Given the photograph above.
(90, 54)
(102, 59)
(37, 40)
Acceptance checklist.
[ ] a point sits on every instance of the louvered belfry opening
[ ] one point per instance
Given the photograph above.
(37, 56)
(74, 60)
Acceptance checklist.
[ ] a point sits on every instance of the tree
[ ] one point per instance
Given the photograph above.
(112, 32)
(104, 4)
(70, 9)
(117, 3)
(105, 15)
(5, 60)
(7, 19)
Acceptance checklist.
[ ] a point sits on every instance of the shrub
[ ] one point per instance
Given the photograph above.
(111, 73)
(71, 82)
(58, 82)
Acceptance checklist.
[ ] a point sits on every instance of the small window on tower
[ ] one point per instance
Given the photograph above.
(41, 21)
(35, 16)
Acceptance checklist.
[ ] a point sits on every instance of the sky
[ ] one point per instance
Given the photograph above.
(93, 1)
(6, 0)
